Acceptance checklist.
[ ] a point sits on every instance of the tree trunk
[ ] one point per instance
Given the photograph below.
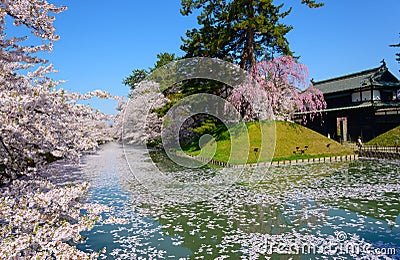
(248, 57)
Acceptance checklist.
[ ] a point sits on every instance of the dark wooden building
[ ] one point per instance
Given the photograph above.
(364, 104)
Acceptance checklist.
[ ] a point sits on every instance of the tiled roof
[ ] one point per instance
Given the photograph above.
(348, 82)
(358, 80)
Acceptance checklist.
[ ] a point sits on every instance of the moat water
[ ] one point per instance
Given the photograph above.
(345, 210)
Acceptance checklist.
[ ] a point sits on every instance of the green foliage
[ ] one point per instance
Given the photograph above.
(162, 111)
(163, 59)
(312, 3)
(239, 31)
(156, 143)
(208, 126)
(397, 54)
(195, 86)
(139, 75)
(173, 97)
(135, 78)
(212, 127)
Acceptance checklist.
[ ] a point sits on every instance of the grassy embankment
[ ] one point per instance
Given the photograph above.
(387, 139)
(293, 141)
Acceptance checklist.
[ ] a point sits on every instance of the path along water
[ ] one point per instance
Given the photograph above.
(303, 211)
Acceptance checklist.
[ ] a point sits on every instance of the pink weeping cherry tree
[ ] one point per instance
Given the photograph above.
(282, 84)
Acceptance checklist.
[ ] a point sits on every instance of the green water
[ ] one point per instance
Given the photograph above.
(317, 205)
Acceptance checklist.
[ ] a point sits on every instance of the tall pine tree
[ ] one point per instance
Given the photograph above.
(240, 31)
(397, 54)
(139, 75)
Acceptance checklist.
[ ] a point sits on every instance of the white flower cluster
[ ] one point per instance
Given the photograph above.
(40, 220)
(39, 123)
(138, 123)
(38, 119)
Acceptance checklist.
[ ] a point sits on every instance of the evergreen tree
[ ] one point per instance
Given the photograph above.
(240, 31)
(139, 75)
(397, 54)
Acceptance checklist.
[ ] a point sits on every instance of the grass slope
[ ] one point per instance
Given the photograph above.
(291, 140)
(387, 139)
(291, 135)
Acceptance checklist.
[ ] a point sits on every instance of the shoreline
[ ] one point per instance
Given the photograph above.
(343, 158)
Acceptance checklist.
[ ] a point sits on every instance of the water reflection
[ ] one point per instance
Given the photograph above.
(292, 203)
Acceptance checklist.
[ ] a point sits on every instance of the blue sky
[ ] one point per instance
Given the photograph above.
(102, 41)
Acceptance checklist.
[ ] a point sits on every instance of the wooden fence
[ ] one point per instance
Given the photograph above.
(344, 158)
(382, 152)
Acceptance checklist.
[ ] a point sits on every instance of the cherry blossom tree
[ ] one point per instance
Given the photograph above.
(34, 222)
(281, 84)
(40, 122)
(138, 123)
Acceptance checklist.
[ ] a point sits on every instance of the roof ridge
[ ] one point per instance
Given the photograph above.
(348, 76)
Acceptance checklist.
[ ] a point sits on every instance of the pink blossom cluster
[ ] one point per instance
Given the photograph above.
(283, 85)
(251, 100)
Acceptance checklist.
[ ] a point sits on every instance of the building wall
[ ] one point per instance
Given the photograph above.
(359, 122)
(364, 104)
